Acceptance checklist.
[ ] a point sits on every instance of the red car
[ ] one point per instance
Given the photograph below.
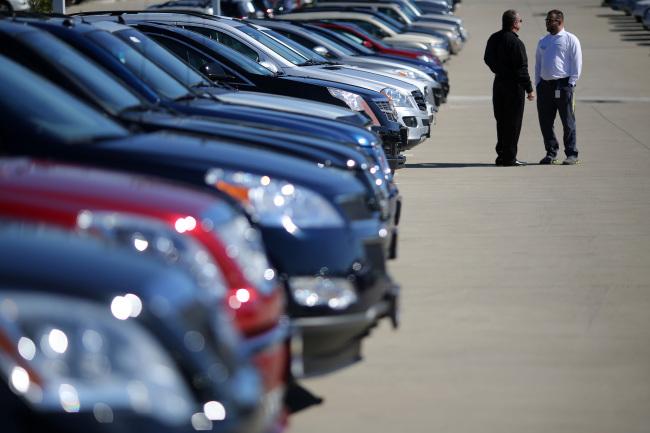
(360, 36)
(185, 227)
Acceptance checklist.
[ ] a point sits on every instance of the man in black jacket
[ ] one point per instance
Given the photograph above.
(505, 54)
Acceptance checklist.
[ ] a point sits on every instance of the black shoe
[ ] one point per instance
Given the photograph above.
(498, 162)
(515, 163)
(548, 160)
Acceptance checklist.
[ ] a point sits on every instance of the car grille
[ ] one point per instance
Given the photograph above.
(419, 99)
(355, 207)
(385, 108)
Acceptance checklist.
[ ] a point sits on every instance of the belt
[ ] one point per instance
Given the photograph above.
(559, 80)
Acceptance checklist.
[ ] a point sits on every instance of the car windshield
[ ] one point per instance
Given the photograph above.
(170, 62)
(334, 42)
(150, 73)
(279, 48)
(394, 25)
(108, 92)
(33, 106)
(360, 49)
(362, 35)
(304, 51)
(237, 58)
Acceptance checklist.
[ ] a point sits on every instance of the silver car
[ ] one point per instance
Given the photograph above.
(391, 35)
(333, 51)
(406, 20)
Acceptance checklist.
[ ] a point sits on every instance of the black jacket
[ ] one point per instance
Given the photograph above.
(505, 54)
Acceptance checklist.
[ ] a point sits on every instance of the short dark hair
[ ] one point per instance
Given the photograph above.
(508, 19)
(558, 14)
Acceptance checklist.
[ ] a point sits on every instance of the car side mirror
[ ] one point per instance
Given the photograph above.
(322, 51)
(368, 45)
(270, 66)
(215, 72)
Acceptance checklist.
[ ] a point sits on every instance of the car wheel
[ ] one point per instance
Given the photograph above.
(5, 7)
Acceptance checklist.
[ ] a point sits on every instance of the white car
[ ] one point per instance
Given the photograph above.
(14, 5)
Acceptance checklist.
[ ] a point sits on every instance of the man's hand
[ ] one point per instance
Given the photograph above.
(531, 96)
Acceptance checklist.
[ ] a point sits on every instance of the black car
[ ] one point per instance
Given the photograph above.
(337, 284)
(97, 339)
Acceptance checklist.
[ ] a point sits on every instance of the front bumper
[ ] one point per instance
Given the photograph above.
(329, 343)
(418, 125)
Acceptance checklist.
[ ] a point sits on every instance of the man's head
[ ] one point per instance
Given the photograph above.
(554, 21)
(511, 20)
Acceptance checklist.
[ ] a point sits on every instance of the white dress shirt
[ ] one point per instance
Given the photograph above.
(558, 56)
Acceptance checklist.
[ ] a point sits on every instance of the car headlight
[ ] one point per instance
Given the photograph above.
(336, 293)
(426, 59)
(354, 102)
(155, 238)
(405, 73)
(89, 361)
(276, 203)
(398, 98)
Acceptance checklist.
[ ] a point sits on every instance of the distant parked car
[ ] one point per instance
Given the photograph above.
(230, 8)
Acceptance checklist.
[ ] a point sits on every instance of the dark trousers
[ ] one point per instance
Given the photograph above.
(548, 106)
(508, 97)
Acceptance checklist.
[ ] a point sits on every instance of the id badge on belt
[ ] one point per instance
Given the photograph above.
(557, 93)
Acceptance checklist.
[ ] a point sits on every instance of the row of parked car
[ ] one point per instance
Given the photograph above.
(639, 9)
(197, 211)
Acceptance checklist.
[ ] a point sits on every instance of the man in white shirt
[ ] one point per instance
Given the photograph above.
(558, 64)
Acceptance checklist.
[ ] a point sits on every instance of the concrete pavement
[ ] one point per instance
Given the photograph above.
(526, 291)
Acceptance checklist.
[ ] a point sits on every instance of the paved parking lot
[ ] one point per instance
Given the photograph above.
(526, 291)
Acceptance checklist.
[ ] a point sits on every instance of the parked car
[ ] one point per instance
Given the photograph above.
(96, 339)
(338, 53)
(639, 8)
(160, 88)
(336, 281)
(363, 158)
(267, 50)
(379, 28)
(201, 233)
(230, 8)
(404, 11)
(394, 15)
(433, 66)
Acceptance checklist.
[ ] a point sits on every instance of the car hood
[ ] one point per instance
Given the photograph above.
(295, 105)
(187, 158)
(350, 75)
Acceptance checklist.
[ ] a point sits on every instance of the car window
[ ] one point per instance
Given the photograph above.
(190, 55)
(107, 89)
(37, 107)
(301, 49)
(162, 56)
(227, 40)
(272, 44)
(146, 70)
